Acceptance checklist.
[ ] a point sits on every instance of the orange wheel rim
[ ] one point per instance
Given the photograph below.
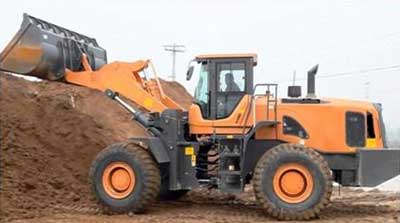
(293, 183)
(118, 180)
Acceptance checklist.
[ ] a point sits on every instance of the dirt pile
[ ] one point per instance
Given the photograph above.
(50, 133)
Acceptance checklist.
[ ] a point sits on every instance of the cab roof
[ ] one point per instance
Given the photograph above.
(228, 56)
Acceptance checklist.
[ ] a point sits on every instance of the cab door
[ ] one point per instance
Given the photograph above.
(233, 83)
(222, 96)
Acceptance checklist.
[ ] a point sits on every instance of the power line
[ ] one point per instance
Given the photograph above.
(389, 35)
(351, 73)
(174, 48)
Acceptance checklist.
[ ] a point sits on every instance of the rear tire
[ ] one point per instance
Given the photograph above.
(292, 182)
(125, 178)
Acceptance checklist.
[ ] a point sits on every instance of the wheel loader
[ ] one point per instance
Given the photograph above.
(236, 133)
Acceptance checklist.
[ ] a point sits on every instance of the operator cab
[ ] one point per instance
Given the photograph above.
(223, 80)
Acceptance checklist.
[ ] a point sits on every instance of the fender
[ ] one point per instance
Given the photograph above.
(156, 147)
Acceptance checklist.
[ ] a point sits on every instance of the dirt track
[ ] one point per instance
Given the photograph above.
(205, 206)
(51, 131)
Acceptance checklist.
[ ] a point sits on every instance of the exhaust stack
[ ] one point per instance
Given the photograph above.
(311, 82)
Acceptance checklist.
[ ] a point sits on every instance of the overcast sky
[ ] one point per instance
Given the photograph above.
(293, 35)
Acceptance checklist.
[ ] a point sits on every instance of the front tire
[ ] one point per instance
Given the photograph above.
(292, 182)
(125, 178)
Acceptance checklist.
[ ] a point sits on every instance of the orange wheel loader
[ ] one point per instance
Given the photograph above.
(236, 133)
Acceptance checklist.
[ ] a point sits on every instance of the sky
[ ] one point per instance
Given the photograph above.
(288, 36)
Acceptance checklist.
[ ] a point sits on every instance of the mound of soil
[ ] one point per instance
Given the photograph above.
(50, 133)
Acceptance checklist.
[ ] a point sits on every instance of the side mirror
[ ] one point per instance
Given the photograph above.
(189, 73)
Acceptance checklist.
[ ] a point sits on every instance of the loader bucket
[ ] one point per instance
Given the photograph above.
(44, 50)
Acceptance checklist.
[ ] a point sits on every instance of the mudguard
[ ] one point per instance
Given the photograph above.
(155, 146)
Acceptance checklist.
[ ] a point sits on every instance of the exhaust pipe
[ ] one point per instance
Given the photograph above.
(311, 82)
(45, 50)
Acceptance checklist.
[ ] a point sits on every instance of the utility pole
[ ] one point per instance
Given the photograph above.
(367, 87)
(174, 48)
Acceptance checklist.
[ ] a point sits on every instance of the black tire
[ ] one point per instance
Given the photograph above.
(165, 193)
(266, 195)
(147, 178)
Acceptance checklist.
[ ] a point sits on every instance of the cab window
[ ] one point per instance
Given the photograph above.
(201, 91)
(231, 78)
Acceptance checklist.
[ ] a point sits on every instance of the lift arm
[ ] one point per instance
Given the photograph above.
(48, 51)
(124, 78)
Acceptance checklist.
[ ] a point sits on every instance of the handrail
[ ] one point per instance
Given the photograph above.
(252, 103)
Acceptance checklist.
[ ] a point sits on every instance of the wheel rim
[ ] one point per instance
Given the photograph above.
(293, 183)
(118, 180)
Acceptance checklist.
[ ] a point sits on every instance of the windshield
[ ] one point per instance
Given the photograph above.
(201, 92)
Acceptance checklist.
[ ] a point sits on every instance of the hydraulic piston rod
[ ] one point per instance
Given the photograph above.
(142, 117)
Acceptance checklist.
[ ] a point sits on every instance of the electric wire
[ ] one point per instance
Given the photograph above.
(351, 73)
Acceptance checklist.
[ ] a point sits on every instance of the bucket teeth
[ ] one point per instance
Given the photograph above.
(45, 50)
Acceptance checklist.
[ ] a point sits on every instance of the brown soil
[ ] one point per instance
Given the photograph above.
(203, 206)
(51, 131)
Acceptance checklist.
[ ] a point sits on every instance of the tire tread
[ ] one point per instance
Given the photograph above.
(151, 175)
(280, 213)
